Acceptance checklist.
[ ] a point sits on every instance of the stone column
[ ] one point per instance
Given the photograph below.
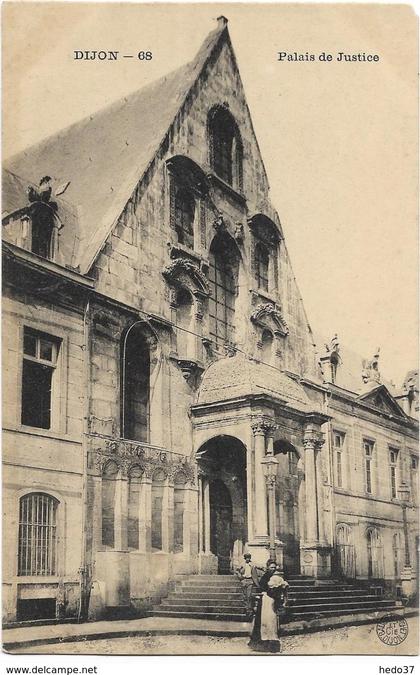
(200, 516)
(206, 505)
(145, 516)
(259, 430)
(320, 494)
(315, 554)
(120, 516)
(168, 517)
(310, 489)
(249, 493)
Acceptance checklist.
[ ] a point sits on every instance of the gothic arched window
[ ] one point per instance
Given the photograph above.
(136, 386)
(184, 217)
(37, 546)
(225, 147)
(223, 270)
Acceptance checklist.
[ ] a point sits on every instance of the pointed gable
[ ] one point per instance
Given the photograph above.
(380, 398)
(105, 155)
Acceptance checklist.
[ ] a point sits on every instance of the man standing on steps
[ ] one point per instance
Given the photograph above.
(248, 576)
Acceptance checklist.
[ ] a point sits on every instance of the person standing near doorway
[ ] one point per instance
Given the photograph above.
(248, 576)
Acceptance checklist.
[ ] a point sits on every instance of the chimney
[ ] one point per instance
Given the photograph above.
(221, 22)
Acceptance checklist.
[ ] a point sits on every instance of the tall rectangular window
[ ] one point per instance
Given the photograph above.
(368, 447)
(40, 353)
(338, 441)
(393, 461)
(37, 535)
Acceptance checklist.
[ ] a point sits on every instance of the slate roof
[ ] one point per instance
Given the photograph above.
(106, 154)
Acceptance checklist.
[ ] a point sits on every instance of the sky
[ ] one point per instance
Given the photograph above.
(338, 139)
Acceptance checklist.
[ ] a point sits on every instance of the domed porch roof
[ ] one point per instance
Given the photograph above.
(240, 376)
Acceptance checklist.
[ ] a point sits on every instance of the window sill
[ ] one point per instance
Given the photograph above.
(264, 296)
(38, 579)
(233, 192)
(180, 251)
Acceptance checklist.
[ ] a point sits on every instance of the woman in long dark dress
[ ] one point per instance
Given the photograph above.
(264, 636)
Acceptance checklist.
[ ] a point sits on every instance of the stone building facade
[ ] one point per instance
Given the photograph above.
(158, 361)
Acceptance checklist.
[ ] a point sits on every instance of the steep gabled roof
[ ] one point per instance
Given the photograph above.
(105, 155)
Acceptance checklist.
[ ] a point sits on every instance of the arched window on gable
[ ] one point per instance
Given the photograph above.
(184, 217)
(223, 274)
(37, 546)
(225, 147)
(262, 259)
(136, 386)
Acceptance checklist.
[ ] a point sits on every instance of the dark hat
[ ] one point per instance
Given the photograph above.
(247, 555)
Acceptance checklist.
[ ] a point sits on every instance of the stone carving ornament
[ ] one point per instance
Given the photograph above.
(129, 455)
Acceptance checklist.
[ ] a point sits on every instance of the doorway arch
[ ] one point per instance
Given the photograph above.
(223, 514)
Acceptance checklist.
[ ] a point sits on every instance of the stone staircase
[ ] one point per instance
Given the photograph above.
(204, 596)
(309, 599)
(219, 597)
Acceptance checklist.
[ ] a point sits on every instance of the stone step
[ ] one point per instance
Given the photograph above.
(326, 591)
(296, 616)
(201, 615)
(190, 588)
(214, 595)
(325, 607)
(328, 599)
(207, 609)
(201, 602)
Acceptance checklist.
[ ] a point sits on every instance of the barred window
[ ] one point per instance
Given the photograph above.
(37, 548)
(261, 266)
(184, 217)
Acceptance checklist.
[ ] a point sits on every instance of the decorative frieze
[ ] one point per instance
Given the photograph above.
(130, 454)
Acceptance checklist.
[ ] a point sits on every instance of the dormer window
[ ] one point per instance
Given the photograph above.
(184, 217)
(43, 215)
(225, 147)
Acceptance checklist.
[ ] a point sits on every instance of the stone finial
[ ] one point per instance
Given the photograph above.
(222, 21)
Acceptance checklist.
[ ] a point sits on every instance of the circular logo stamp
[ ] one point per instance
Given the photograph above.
(392, 630)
